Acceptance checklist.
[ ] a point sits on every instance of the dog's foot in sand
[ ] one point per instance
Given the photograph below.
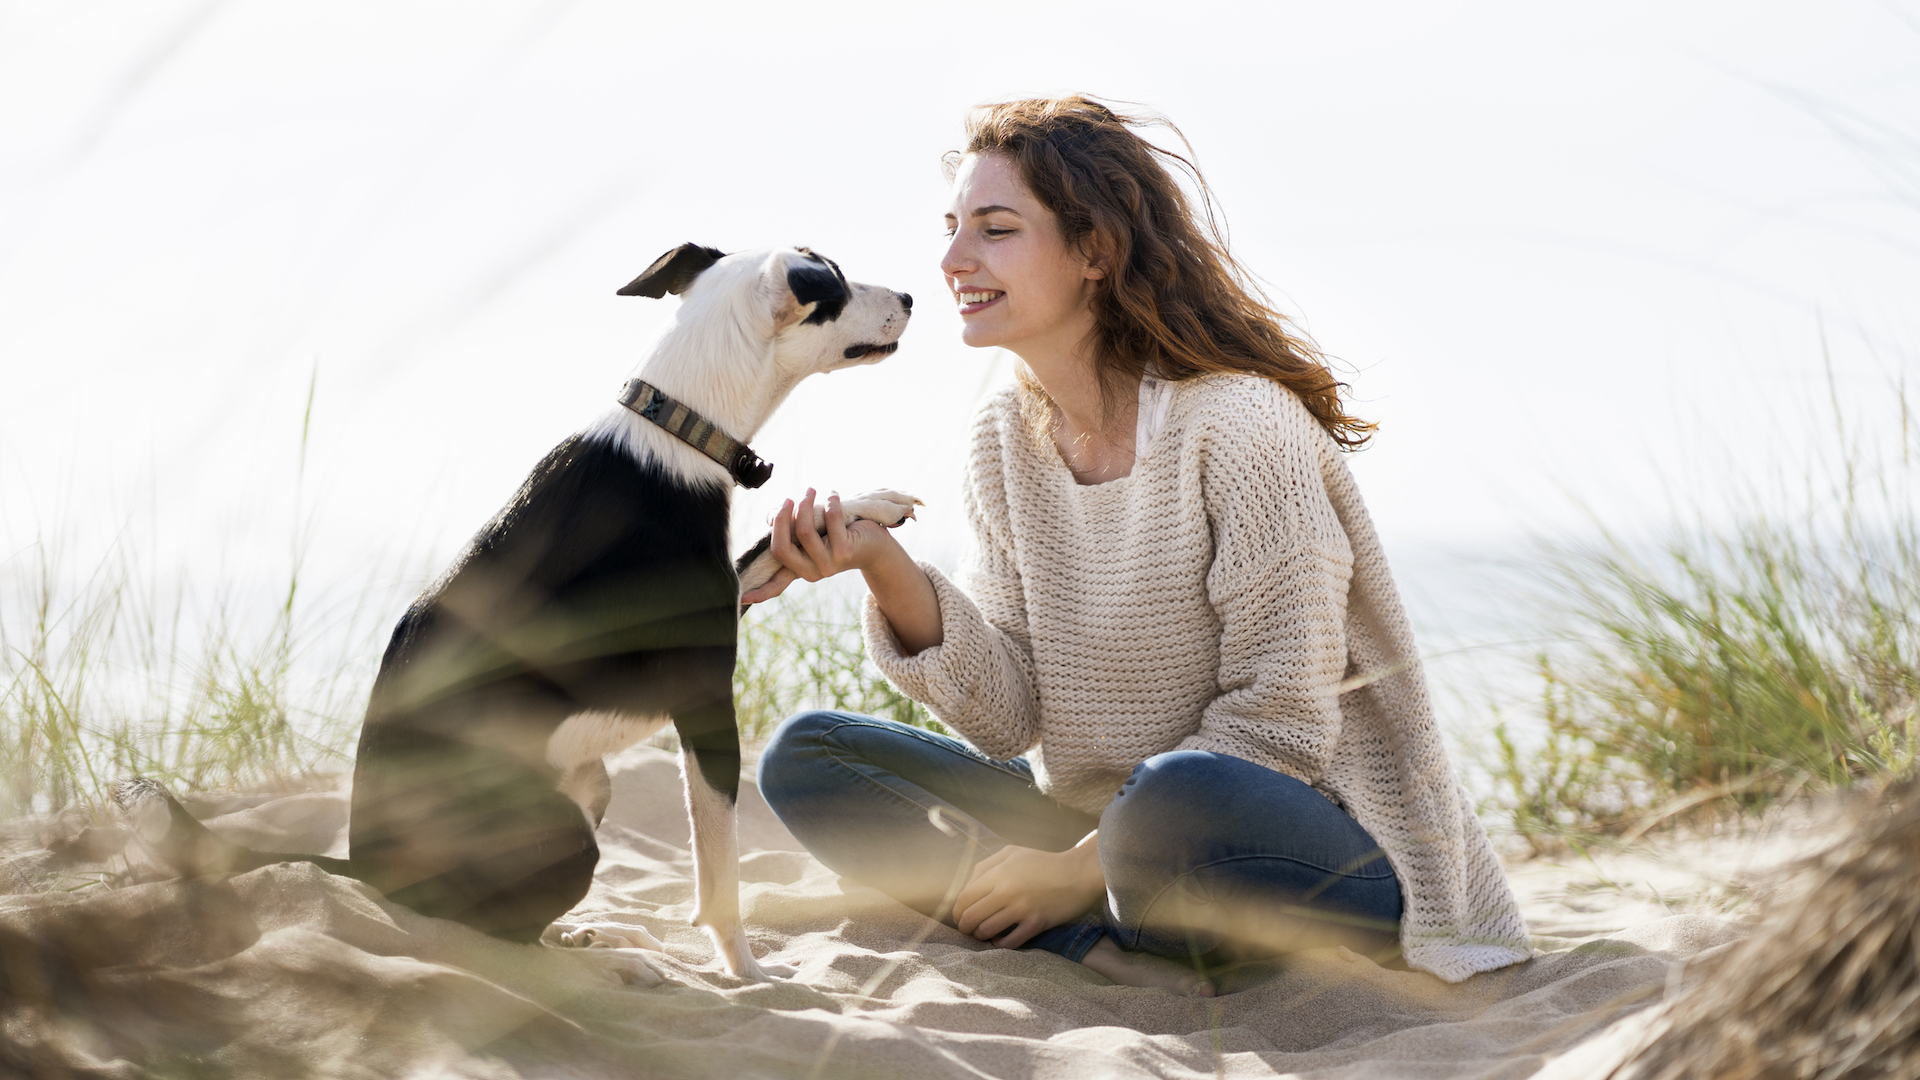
(617, 949)
(172, 840)
(766, 971)
(606, 936)
(1145, 969)
(630, 966)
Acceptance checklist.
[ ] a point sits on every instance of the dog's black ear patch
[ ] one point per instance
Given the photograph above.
(818, 281)
(673, 272)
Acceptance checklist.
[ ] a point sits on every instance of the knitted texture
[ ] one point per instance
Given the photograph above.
(1220, 597)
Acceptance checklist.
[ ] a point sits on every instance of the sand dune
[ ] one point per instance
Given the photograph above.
(287, 971)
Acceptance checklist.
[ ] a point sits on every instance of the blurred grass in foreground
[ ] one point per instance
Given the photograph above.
(108, 674)
(1740, 661)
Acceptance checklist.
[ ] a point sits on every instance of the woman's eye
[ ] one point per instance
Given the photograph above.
(997, 233)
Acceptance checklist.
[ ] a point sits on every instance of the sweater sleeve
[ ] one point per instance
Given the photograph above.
(979, 679)
(1278, 583)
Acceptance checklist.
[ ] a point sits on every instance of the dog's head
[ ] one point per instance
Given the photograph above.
(795, 300)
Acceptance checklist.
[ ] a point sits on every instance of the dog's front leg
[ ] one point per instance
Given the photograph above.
(716, 873)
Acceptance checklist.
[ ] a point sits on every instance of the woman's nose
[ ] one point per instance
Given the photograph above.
(955, 262)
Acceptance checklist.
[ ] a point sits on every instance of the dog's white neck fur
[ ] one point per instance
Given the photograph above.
(719, 358)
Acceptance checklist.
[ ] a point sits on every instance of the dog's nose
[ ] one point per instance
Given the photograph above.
(905, 301)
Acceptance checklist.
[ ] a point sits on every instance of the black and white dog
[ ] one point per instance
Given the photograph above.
(598, 606)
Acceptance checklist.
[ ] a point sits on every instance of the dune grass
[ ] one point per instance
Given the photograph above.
(1736, 661)
(806, 651)
(108, 673)
(1739, 660)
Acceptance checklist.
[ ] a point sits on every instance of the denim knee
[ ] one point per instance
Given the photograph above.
(1155, 804)
(790, 751)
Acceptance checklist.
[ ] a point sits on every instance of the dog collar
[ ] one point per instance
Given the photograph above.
(746, 467)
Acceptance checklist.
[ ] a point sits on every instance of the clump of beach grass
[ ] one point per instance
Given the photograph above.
(806, 651)
(111, 673)
(123, 669)
(1829, 983)
(1736, 661)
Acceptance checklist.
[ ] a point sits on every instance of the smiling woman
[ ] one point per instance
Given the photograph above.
(1198, 727)
(1176, 300)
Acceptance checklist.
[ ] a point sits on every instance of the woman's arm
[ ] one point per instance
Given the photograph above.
(963, 654)
(1281, 570)
(905, 597)
(980, 680)
(979, 684)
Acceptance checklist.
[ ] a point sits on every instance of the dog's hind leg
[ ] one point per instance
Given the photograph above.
(716, 869)
(589, 785)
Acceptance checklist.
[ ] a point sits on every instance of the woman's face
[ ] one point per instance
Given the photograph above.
(1018, 284)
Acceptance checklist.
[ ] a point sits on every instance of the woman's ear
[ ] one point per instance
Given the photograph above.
(1096, 253)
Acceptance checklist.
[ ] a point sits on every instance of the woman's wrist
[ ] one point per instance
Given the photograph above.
(887, 571)
(905, 597)
(1086, 865)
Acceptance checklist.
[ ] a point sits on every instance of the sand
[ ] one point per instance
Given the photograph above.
(288, 971)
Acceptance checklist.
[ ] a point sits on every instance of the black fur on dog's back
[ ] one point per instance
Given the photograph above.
(604, 586)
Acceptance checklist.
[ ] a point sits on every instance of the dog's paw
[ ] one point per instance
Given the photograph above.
(889, 508)
(757, 567)
(736, 956)
(607, 936)
(631, 967)
(767, 971)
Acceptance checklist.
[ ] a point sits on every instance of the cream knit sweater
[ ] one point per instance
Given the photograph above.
(1227, 595)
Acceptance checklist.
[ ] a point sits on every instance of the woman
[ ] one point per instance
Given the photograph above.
(1174, 606)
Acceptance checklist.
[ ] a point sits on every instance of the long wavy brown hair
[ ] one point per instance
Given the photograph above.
(1173, 299)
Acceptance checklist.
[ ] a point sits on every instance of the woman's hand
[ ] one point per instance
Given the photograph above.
(1017, 892)
(899, 586)
(804, 554)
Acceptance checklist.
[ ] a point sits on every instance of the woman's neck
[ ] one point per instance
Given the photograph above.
(1097, 446)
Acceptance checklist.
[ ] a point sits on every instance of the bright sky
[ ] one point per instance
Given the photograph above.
(1588, 248)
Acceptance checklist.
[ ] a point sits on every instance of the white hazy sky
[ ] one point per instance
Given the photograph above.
(1563, 247)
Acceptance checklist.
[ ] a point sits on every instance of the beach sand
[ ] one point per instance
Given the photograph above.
(287, 971)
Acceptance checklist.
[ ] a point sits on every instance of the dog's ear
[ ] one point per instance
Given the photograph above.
(673, 272)
(815, 281)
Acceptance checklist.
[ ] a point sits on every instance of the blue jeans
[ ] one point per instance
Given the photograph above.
(1197, 848)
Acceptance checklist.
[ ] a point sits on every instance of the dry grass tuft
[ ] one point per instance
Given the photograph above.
(1829, 986)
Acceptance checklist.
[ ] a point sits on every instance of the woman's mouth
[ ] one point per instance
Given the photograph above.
(972, 300)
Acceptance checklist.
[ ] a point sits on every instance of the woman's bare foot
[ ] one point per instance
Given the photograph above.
(1145, 969)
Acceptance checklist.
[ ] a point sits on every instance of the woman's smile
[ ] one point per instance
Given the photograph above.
(976, 300)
